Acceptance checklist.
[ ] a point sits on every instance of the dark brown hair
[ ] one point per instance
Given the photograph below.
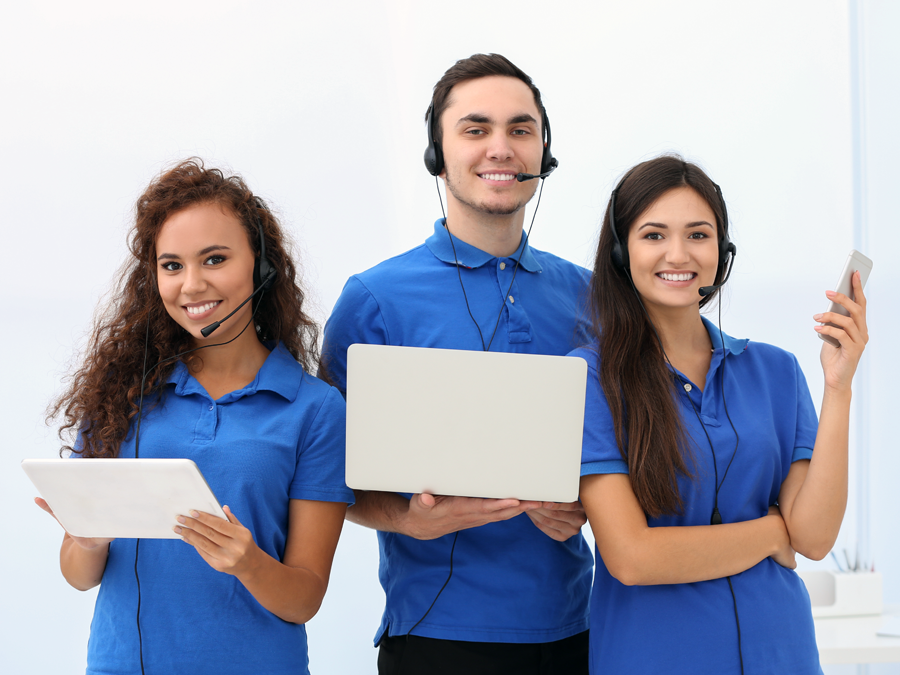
(472, 68)
(637, 383)
(101, 400)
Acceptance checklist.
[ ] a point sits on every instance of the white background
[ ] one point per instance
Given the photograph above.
(320, 107)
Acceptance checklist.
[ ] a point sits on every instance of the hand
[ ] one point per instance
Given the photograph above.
(88, 544)
(226, 545)
(840, 364)
(433, 516)
(785, 556)
(559, 521)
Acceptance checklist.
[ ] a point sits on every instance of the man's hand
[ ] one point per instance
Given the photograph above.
(433, 516)
(559, 521)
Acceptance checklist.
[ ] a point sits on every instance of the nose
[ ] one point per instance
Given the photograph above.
(677, 252)
(499, 148)
(193, 281)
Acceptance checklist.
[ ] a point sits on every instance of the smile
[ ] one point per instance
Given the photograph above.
(498, 176)
(200, 309)
(684, 276)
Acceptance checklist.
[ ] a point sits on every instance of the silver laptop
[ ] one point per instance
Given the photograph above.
(466, 423)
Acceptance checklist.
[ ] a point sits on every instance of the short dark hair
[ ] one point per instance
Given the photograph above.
(472, 68)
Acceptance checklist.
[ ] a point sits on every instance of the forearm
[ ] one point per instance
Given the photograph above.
(814, 510)
(291, 593)
(677, 555)
(385, 511)
(82, 568)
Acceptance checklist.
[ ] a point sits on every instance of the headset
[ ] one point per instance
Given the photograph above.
(727, 249)
(434, 154)
(264, 274)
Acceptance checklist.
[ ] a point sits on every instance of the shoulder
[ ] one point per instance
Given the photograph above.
(399, 267)
(561, 266)
(770, 358)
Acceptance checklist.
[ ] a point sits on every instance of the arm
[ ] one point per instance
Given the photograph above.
(637, 554)
(814, 494)
(81, 560)
(427, 516)
(291, 589)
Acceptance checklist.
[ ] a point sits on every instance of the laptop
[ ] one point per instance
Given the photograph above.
(464, 423)
(127, 498)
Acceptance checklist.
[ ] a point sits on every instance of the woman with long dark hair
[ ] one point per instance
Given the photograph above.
(703, 465)
(266, 434)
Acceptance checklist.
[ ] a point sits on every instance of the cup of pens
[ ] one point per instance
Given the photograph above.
(854, 589)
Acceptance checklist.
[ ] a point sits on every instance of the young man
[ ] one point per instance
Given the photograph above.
(517, 598)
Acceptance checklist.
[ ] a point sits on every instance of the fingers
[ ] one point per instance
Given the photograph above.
(44, 506)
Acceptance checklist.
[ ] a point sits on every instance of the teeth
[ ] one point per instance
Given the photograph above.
(201, 308)
(498, 176)
(677, 277)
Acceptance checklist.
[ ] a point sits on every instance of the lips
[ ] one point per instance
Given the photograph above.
(199, 309)
(676, 276)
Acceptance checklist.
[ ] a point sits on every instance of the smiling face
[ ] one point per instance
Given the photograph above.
(491, 132)
(673, 250)
(204, 269)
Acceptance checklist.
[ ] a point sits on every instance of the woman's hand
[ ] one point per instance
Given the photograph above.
(226, 545)
(785, 556)
(88, 544)
(840, 363)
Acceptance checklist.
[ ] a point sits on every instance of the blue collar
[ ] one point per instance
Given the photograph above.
(734, 345)
(280, 373)
(469, 256)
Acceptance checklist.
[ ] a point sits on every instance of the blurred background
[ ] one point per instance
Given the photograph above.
(790, 106)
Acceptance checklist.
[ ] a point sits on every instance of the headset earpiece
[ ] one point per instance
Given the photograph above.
(548, 161)
(434, 156)
(263, 270)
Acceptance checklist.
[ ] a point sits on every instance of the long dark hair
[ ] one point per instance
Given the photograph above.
(638, 385)
(101, 399)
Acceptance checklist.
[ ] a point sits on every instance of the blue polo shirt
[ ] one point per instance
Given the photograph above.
(511, 582)
(690, 628)
(279, 438)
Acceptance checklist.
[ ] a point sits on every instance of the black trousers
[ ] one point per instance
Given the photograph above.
(411, 655)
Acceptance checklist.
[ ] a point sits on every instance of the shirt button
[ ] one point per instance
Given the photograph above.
(503, 266)
(210, 407)
(512, 299)
(687, 388)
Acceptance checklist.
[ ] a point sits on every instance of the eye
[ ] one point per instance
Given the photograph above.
(214, 260)
(698, 235)
(476, 132)
(654, 236)
(171, 266)
(521, 132)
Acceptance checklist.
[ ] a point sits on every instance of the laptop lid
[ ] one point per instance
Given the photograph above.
(464, 423)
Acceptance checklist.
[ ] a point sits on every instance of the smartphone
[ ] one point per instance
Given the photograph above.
(856, 261)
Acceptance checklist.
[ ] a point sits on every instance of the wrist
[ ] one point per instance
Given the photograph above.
(780, 538)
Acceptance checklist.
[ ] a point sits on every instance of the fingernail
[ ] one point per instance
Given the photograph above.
(818, 327)
(817, 317)
(195, 514)
(177, 529)
(181, 519)
(830, 294)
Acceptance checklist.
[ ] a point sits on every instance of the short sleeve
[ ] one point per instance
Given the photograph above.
(599, 452)
(807, 422)
(320, 474)
(356, 319)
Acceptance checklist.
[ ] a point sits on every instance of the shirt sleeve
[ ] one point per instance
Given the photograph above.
(807, 422)
(599, 452)
(356, 319)
(320, 474)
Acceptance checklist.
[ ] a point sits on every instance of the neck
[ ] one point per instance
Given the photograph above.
(681, 331)
(242, 356)
(499, 235)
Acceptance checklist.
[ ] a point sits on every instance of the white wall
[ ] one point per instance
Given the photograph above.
(321, 109)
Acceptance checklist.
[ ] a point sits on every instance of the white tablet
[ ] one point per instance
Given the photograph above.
(121, 498)
(466, 423)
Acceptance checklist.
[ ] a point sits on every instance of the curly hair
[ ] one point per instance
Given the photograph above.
(101, 400)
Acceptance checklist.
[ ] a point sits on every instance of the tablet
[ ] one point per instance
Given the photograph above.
(121, 498)
(464, 423)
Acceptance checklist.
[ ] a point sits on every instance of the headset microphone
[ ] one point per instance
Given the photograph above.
(522, 177)
(730, 249)
(210, 329)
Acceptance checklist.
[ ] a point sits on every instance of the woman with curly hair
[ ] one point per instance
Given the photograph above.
(233, 596)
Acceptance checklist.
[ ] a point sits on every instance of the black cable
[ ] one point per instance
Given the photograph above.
(737, 620)
(137, 445)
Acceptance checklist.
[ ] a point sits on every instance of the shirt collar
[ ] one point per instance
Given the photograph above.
(469, 256)
(734, 345)
(280, 373)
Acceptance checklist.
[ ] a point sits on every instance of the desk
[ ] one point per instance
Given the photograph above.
(854, 639)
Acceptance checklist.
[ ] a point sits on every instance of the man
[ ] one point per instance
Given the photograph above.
(475, 585)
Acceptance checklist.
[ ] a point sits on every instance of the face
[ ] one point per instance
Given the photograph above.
(204, 269)
(491, 132)
(673, 250)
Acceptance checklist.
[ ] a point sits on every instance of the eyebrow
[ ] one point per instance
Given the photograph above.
(663, 226)
(481, 118)
(208, 249)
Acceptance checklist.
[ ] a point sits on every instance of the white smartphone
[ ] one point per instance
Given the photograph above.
(856, 261)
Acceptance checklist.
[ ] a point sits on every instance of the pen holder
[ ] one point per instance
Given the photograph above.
(843, 593)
